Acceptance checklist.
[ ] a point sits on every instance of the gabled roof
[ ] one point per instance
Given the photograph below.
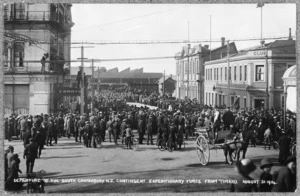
(127, 70)
(161, 80)
(113, 70)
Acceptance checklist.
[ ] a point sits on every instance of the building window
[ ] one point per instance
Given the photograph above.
(245, 73)
(197, 67)
(232, 100)
(234, 73)
(245, 102)
(225, 73)
(5, 54)
(186, 68)
(229, 73)
(221, 72)
(18, 54)
(259, 73)
(217, 73)
(241, 75)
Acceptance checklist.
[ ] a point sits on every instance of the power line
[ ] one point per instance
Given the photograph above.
(147, 42)
(129, 19)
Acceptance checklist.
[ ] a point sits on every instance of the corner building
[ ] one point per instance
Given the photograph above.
(31, 31)
(251, 71)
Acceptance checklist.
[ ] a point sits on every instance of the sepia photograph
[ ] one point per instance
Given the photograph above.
(157, 98)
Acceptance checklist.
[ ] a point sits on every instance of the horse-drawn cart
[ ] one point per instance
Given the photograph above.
(205, 142)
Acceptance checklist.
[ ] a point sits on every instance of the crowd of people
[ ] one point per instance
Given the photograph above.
(283, 180)
(112, 120)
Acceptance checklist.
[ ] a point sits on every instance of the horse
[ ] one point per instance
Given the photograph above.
(236, 143)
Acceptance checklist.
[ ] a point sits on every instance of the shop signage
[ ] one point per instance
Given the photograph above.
(260, 53)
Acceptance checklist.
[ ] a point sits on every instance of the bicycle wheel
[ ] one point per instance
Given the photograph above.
(275, 145)
(135, 144)
(183, 144)
(99, 142)
(161, 145)
(293, 150)
(170, 145)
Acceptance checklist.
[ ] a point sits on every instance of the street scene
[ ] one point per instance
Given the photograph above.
(149, 98)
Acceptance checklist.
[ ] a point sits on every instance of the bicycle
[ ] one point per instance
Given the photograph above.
(293, 147)
(170, 145)
(131, 144)
(36, 186)
(98, 141)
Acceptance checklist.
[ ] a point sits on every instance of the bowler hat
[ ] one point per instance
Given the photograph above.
(265, 163)
(290, 159)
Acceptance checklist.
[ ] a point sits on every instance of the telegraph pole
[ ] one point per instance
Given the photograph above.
(93, 89)
(267, 81)
(188, 71)
(82, 78)
(164, 84)
(228, 79)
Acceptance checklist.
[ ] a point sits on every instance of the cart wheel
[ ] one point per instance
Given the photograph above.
(202, 148)
(183, 144)
(135, 144)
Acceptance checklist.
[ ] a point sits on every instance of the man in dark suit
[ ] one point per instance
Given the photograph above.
(141, 128)
(284, 150)
(228, 119)
(30, 152)
(26, 137)
(88, 131)
(49, 132)
(286, 179)
(149, 130)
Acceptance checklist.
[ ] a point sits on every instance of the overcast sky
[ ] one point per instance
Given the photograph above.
(170, 22)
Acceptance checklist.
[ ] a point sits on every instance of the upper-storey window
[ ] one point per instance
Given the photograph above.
(241, 74)
(19, 11)
(259, 73)
(5, 54)
(18, 54)
(245, 73)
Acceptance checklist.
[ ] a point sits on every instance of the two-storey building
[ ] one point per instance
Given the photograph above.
(251, 78)
(190, 68)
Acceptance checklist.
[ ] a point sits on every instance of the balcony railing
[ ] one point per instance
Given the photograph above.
(32, 67)
(30, 15)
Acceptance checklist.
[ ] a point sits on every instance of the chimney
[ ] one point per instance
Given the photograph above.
(206, 46)
(223, 41)
(290, 34)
